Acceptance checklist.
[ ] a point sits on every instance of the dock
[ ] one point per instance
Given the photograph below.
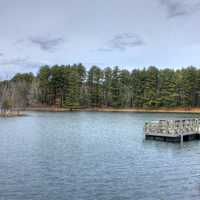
(173, 130)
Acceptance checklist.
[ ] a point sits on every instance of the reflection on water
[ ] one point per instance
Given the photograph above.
(87, 156)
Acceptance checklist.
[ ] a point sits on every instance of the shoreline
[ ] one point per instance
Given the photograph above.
(11, 114)
(134, 110)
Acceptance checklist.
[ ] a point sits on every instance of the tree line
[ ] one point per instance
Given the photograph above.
(72, 86)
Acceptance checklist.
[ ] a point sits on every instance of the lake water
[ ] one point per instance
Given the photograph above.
(94, 156)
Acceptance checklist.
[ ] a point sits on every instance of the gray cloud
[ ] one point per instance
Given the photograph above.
(19, 41)
(177, 8)
(104, 49)
(1, 54)
(47, 44)
(122, 42)
(21, 62)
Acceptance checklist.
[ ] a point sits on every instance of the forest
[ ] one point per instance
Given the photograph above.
(74, 87)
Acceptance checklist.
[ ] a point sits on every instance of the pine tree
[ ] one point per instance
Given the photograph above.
(94, 82)
(167, 88)
(115, 87)
(151, 90)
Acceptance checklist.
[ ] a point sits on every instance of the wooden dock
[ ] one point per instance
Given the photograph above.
(173, 130)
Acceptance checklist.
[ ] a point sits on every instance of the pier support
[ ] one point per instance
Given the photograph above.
(181, 138)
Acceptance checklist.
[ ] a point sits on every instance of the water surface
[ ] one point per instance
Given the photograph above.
(94, 156)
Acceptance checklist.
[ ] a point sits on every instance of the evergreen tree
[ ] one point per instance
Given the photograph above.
(167, 88)
(125, 88)
(72, 100)
(151, 91)
(71, 86)
(137, 87)
(94, 82)
(107, 84)
(44, 77)
(189, 86)
(57, 82)
(115, 87)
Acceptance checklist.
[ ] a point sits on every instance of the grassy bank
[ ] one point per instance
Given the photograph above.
(158, 110)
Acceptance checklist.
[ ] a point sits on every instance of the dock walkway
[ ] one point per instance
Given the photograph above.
(173, 130)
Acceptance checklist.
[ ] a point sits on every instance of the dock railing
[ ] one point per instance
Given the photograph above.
(172, 127)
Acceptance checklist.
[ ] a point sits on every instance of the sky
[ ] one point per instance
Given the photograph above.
(126, 33)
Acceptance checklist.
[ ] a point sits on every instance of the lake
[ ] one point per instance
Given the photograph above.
(94, 156)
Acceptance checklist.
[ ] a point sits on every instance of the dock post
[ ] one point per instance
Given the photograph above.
(181, 138)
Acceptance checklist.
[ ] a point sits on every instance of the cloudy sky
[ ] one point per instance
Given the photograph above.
(127, 33)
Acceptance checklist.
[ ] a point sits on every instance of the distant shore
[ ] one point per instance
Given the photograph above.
(12, 114)
(136, 110)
